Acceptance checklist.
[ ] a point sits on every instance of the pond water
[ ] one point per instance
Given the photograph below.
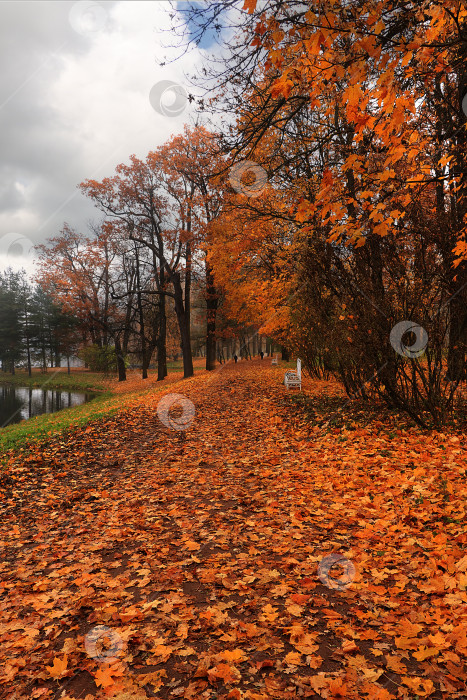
(18, 403)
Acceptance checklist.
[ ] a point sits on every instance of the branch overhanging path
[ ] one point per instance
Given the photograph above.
(140, 562)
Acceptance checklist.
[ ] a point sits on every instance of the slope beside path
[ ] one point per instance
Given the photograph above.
(253, 555)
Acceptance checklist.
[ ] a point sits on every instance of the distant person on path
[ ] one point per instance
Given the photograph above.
(261, 354)
(235, 358)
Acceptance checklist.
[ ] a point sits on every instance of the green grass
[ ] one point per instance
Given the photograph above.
(42, 428)
(290, 364)
(77, 381)
(173, 366)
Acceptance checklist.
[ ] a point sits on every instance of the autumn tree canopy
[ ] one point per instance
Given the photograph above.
(355, 112)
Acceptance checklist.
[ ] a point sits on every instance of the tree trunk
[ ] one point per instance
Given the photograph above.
(457, 349)
(187, 289)
(161, 341)
(29, 357)
(120, 361)
(183, 327)
(285, 353)
(211, 312)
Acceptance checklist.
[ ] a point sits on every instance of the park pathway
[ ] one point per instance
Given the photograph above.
(141, 562)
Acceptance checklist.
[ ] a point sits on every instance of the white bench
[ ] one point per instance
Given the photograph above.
(274, 360)
(293, 378)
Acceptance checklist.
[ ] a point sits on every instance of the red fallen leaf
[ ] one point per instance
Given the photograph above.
(234, 695)
(308, 582)
(201, 671)
(300, 598)
(227, 583)
(374, 693)
(338, 688)
(266, 663)
(349, 646)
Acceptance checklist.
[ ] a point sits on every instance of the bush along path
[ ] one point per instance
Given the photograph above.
(252, 554)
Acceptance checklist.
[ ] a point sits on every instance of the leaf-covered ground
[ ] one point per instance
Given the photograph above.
(143, 562)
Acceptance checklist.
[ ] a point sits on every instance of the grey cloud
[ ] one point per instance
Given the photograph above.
(56, 123)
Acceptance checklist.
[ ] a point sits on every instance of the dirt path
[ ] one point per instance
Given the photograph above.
(141, 562)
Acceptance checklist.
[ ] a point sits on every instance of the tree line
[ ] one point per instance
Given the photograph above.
(33, 329)
(147, 260)
(331, 212)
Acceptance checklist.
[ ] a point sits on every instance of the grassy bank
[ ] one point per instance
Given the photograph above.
(112, 397)
(42, 427)
(77, 380)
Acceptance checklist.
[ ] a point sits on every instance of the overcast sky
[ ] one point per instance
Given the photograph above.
(75, 86)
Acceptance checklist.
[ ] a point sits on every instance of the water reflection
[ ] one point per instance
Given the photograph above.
(18, 403)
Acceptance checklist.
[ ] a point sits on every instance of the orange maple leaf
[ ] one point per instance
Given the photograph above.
(59, 667)
(104, 677)
(236, 655)
(425, 653)
(349, 646)
(191, 545)
(420, 686)
(223, 672)
(409, 629)
(338, 688)
(249, 6)
(293, 658)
